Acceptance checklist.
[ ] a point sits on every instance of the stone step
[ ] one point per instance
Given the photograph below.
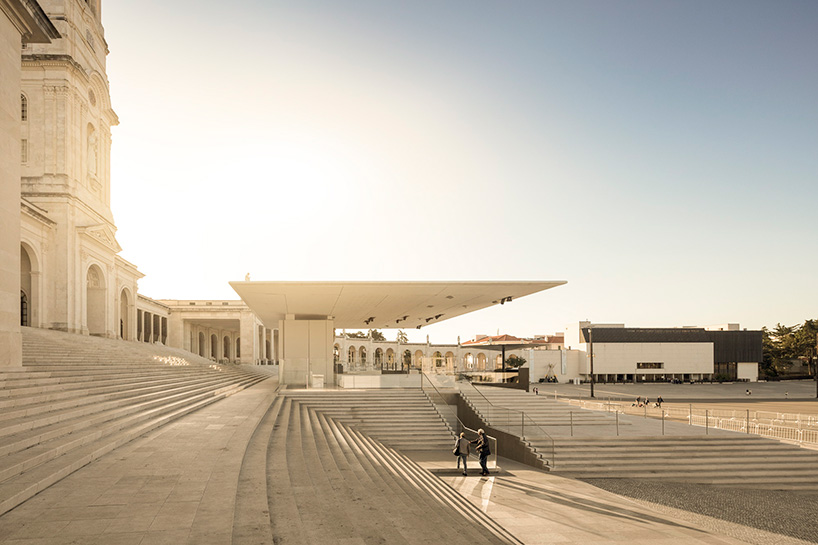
(251, 513)
(74, 421)
(84, 389)
(19, 488)
(44, 413)
(431, 500)
(17, 462)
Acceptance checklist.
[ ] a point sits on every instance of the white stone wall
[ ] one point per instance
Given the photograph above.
(622, 358)
(747, 371)
(10, 339)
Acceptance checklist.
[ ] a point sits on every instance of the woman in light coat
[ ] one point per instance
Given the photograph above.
(461, 445)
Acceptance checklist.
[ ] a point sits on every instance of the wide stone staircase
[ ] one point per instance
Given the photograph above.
(78, 397)
(730, 459)
(539, 409)
(403, 419)
(645, 448)
(333, 472)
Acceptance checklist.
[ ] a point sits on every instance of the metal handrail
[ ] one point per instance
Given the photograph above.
(524, 420)
(463, 426)
(802, 430)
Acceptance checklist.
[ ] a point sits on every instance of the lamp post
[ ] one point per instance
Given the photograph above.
(812, 356)
(591, 342)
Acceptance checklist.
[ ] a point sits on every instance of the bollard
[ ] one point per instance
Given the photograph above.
(522, 425)
(690, 418)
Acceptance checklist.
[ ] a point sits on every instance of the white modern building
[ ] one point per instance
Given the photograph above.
(628, 354)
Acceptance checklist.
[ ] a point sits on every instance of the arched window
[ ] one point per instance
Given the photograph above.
(351, 354)
(437, 358)
(23, 108)
(362, 352)
(23, 308)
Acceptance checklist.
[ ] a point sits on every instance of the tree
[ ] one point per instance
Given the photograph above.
(514, 361)
(374, 333)
(402, 338)
(783, 344)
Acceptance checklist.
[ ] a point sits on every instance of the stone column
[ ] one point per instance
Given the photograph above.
(11, 344)
(249, 337)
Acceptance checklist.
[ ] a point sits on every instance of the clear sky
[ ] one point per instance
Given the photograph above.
(661, 156)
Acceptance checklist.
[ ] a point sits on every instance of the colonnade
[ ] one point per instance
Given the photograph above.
(151, 327)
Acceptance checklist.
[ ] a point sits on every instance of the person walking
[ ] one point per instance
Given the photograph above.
(483, 450)
(461, 450)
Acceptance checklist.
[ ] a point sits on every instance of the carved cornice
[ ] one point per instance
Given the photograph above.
(102, 234)
(52, 60)
(55, 90)
(34, 211)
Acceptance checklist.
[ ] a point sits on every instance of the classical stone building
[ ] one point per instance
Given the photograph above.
(22, 24)
(60, 267)
(71, 276)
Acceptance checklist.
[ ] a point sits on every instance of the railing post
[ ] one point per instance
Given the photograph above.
(690, 418)
(617, 423)
(522, 424)
(571, 415)
(748, 421)
(706, 418)
(663, 421)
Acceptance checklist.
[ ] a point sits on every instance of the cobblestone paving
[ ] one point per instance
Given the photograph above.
(790, 514)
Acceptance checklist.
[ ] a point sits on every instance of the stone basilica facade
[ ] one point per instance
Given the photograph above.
(60, 264)
(71, 276)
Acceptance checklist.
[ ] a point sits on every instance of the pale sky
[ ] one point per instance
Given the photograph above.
(661, 156)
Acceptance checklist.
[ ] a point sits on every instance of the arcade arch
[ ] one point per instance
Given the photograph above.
(418, 361)
(29, 286)
(125, 314)
(95, 297)
(481, 362)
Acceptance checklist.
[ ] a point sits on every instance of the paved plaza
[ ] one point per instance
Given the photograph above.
(179, 485)
(794, 396)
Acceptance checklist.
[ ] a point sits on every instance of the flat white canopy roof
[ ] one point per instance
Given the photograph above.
(376, 305)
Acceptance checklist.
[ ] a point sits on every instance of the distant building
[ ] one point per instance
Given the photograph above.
(628, 354)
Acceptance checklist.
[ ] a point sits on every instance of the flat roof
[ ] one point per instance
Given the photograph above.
(376, 305)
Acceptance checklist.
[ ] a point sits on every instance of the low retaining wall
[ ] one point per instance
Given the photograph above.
(508, 446)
